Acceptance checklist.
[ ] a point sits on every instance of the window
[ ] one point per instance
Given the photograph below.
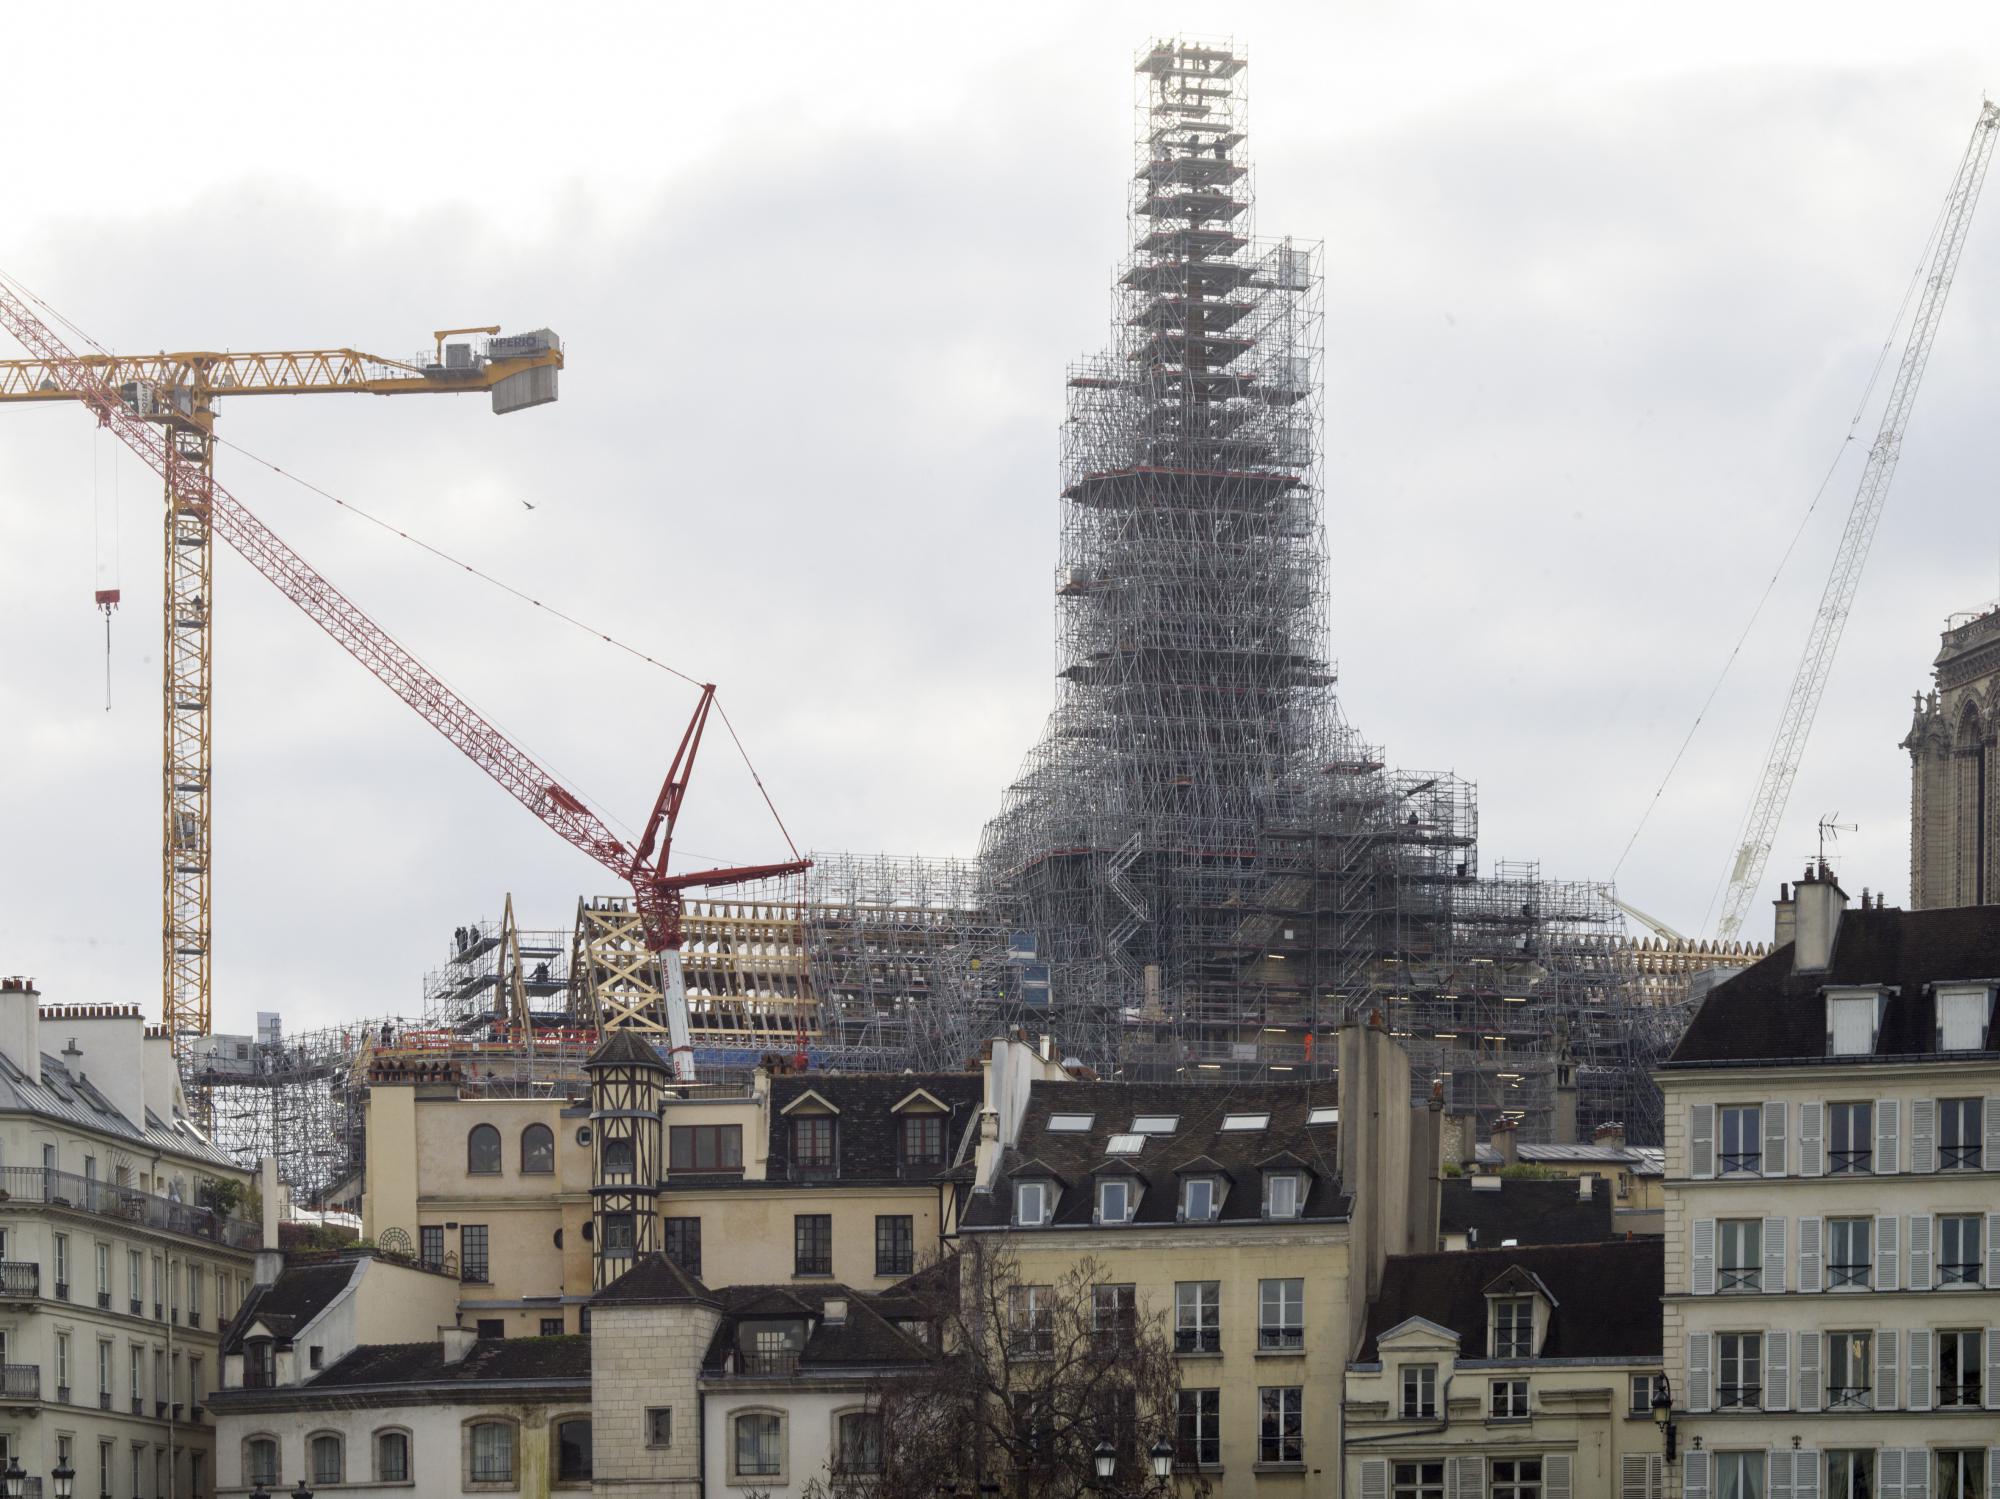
(490, 1328)
(260, 1462)
(134, 1279)
(1850, 1475)
(1114, 1316)
(812, 1244)
(1644, 1387)
(538, 1150)
(573, 1448)
(1850, 1024)
(317, 1356)
(1420, 1392)
(1740, 1260)
(1281, 1194)
(323, 1458)
(1198, 1199)
(1510, 1400)
(1517, 1478)
(392, 1457)
(1958, 1250)
(923, 1139)
(491, 1445)
(482, 1151)
(1850, 1370)
(1198, 1423)
(1958, 1134)
(1198, 1316)
(1850, 1139)
(1961, 1473)
(259, 1367)
(620, 1157)
(104, 1277)
(1739, 1475)
(430, 1245)
(1155, 1124)
(859, 1442)
(1325, 1114)
(104, 1376)
(683, 1243)
(1032, 1315)
(1031, 1204)
(1514, 1327)
(472, 1263)
(757, 1451)
(812, 1142)
(1740, 1370)
(1420, 1480)
(705, 1147)
(1070, 1124)
(659, 1426)
(1246, 1121)
(1742, 1139)
(1114, 1200)
(1281, 1424)
(1958, 1368)
(1962, 1018)
(62, 1267)
(1281, 1311)
(194, 1295)
(552, 1327)
(1848, 1251)
(895, 1245)
(62, 1366)
(104, 1450)
(618, 1236)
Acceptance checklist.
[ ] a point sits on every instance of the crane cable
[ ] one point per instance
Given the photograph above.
(1860, 409)
(569, 619)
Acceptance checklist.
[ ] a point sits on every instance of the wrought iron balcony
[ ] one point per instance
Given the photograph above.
(1197, 1340)
(86, 1194)
(21, 1381)
(767, 1364)
(20, 1278)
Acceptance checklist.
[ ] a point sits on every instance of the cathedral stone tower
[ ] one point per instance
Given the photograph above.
(1954, 829)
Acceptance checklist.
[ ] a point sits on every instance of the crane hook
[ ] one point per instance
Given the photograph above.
(107, 600)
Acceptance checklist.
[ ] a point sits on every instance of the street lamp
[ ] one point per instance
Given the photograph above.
(1163, 1459)
(302, 1492)
(64, 1477)
(260, 1492)
(1105, 1458)
(1663, 1414)
(15, 1478)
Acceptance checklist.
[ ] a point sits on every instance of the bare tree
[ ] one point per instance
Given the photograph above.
(1032, 1377)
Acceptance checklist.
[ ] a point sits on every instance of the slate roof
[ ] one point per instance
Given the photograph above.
(655, 1281)
(1607, 1296)
(866, 1136)
(55, 1093)
(866, 1339)
(1640, 1160)
(1073, 1157)
(298, 1295)
(1528, 1212)
(625, 1048)
(538, 1359)
(1768, 1013)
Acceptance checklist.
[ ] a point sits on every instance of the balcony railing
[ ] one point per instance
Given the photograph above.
(1741, 1278)
(1847, 1275)
(1281, 1338)
(21, 1381)
(1197, 1340)
(104, 1400)
(20, 1278)
(1736, 1397)
(89, 1195)
(1958, 1157)
(1742, 1163)
(1959, 1394)
(1850, 1397)
(778, 1364)
(1958, 1274)
(1850, 1162)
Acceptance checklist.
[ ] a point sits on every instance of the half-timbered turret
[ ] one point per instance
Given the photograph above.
(626, 1076)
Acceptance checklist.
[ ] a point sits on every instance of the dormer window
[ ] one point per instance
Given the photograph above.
(1514, 1327)
(812, 1142)
(923, 1139)
(1852, 1021)
(260, 1365)
(1032, 1204)
(1282, 1194)
(1115, 1200)
(1201, 1199)
(1961, 1018)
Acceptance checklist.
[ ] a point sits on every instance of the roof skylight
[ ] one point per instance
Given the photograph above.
(1155, 1124)
(1246, 1121)
(1125, 1145)
(1323, 1116)
(1070, 1124)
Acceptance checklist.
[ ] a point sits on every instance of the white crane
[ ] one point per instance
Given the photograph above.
(1760, 824)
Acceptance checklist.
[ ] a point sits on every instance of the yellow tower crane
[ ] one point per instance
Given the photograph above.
(180, 392)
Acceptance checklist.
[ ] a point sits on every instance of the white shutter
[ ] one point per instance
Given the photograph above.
(1922, 1342)
(1917, 1473)
(1889, 1473)
(1993, 1251)
(1778, 1472)
(1777, 1371)
(1883, 1398)
(1774, 1254)
(1701, 1139)
(1700, 1348)
(1991, 1389)
(1807, 1397)
(1921, 1226)
(1812, 1139)
(1701, 1272)
(1993, 1469)
(1811, 1269)
(1805, 1474)
(1694, 1475)
(1885, 1253)
(1888, 1120)
(1774, 1138)
(1923, 1135)
(1375, 1478)
(1468, 1477)
(1993, 1134)
(1555, 1476)
(1634, 1476)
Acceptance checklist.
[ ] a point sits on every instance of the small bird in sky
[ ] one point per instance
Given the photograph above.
(528, 504)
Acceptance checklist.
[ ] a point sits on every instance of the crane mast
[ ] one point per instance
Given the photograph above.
(1781, 766)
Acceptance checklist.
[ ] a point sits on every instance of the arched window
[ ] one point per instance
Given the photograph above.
(538, 1150)
(482, 1151)
(323, 1457)
(260, 1461)
(392, 1457)
(573, 1448)
(489, 1452)
(757, 1445)
(618, 1155)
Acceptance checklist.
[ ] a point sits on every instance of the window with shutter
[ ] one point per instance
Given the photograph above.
(1808, 1376)
(1992, 1112)
(1555, 1476)
(1375, 1478)
(1694, 1475)
(1700, 1347)
(1920, 1251)
(1810, 1275)
(1916, 1473)
(1992, 1392)
(1812, 1139)
(1780, 1464)
(1923, 1135)
(1888, 1136)
(1701, 1279)
(1633, 1474)
(1887, 1233)
(1774, 1138)
(1993, 1251)
(1774, 1254)
(1701, 1139)
(1887, 1345)
(1777, 1371)
(1921, 1340)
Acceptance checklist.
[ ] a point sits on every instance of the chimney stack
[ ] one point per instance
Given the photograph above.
(1611, 1134)
(1785, 923)
(1820, 900)
(1505, 1144)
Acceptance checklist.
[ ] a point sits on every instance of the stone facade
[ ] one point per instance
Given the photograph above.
(642, 1359)
(1953, 741)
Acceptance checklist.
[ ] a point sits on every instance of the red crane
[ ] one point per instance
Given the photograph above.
(656, 894)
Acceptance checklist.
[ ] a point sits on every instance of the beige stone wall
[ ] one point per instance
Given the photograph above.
(640, 1358)
(747, 1232)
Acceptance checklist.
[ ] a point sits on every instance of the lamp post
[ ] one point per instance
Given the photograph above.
(1162, 1454)
(64, 1478)
(1663, 1415)
(14, 1479)
(1105, 1461)
(302, 1492)
(260, 1492)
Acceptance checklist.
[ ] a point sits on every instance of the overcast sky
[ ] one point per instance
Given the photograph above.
(1603, 290)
